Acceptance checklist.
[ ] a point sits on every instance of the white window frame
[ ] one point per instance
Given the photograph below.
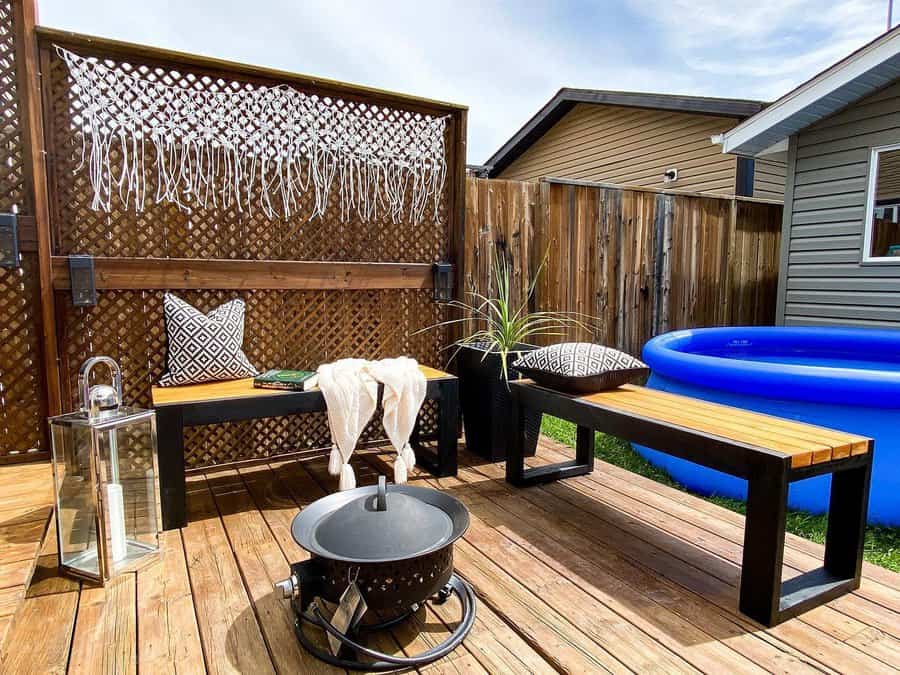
(867, 256)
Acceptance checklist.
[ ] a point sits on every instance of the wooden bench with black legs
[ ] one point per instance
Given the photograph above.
(197, 404)
(769, 452)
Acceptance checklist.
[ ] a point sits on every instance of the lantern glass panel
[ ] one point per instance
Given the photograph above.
(129, 488)
(75, 506)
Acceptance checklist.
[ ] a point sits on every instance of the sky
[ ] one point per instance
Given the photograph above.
(503, 59)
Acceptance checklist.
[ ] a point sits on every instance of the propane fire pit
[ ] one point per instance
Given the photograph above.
(389, 549)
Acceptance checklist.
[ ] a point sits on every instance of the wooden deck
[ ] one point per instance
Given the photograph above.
(26, 498)
(609, 572)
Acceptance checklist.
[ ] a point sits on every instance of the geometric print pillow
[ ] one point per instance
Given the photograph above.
(580, 367)
(204, 347)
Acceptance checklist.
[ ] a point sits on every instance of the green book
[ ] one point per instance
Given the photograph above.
(291, 380)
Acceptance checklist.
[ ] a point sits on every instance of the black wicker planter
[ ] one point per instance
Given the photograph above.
(485, 402)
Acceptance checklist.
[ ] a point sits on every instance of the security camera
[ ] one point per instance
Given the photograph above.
(670, 176)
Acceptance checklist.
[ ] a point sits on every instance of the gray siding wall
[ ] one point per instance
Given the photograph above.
(822, 280)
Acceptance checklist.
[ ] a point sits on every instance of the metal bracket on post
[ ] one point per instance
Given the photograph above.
(82, 280)
(443, 281)
(9, 240)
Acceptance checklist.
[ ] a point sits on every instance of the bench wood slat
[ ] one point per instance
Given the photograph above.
(828, 436)
(805, 444)
(801, 451)
(243, 388)
(842, 444)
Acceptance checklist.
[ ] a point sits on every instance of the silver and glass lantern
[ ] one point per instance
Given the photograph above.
(106, 478)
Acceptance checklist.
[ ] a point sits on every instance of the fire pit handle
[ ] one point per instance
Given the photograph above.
(381, 498)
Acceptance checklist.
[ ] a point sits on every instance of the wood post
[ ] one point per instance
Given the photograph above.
(35, 160)
(457, 213)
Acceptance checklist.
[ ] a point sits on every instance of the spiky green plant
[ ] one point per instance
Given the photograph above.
(502, 323)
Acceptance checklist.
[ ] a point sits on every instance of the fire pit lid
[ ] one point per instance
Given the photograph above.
(382, 523)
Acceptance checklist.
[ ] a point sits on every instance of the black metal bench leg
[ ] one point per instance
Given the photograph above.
(515, 452)
(760, 593)
(518, 475)
(843, 546)
(847, 513)
(443, 460)
(584, 448)
(448, 429)
(763, 596)
(172, 484)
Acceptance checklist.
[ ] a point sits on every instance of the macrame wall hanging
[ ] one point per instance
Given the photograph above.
(251, 148)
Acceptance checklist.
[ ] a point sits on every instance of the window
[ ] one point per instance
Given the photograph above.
(882, 238)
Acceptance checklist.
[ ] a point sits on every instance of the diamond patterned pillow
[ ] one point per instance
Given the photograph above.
(204, 347)
(580, 367)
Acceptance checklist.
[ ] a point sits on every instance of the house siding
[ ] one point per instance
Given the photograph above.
(631, 146)
(823, 280)
(768, 179)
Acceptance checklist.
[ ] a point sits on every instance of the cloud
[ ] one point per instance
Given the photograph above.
(768, 46)
(503, 59)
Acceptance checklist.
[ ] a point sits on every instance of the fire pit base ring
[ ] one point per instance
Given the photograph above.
(382, 661)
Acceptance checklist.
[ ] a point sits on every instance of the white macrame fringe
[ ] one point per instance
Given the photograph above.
(348, 478)
(335, 461)
(400, 470)
(408, 456)
(405, 462)
(267, 145)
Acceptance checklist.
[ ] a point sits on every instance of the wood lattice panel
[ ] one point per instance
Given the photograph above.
(298, 328)
(12, 171)
(162, 230)
(22, 405)
(22, 408)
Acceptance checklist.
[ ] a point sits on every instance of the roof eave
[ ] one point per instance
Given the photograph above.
(854, 77)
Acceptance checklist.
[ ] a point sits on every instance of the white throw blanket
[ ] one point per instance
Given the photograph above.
(350, 388)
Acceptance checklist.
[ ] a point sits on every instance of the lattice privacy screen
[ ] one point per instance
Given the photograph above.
(164, 230)
(283, 328)
(22, 407)
(260, 147)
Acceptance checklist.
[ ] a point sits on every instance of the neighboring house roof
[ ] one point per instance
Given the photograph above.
(567, 98)
(864, 71)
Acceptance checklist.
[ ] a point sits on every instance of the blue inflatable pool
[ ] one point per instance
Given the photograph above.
(843, 378)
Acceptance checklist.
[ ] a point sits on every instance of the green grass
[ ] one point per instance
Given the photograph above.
(882, 543)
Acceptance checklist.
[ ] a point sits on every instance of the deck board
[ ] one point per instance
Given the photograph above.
(603, 573)
(168, 636)
(26, 498)
(105, 639)
(229, 631)
(598, 619)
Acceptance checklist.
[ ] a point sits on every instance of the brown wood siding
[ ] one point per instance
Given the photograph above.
(768, 179)
(631, 146)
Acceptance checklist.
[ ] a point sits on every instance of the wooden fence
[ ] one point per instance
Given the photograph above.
(641, 262)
